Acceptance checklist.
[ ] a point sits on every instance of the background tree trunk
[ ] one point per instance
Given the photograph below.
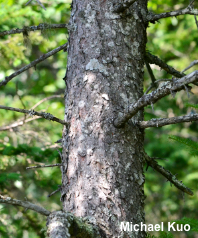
(105, 176)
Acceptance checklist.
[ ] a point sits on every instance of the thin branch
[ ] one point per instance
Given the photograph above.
(32, 64)
(152, 59)
(28, 2)
(21, 122)
(31, 112)
(191, 3)
(59, 142)
(148, 99)
(17, 124)
(45, 99)
(25, 204)
(44, 166)
(196, 21)
(56, 191)
(37, 2)
(191, 65)
(167, 121)
(121, 7)
(155, 17)
(153, 79)
(41, 4)
(41, 26)
(157, 81)
(167, 174)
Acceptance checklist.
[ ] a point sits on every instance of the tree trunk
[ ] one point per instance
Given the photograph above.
(104, 179)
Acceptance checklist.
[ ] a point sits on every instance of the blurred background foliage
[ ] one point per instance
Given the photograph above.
(33, 143)
(174, 40)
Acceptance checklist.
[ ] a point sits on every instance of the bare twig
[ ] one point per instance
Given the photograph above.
(155, 17)
(157, 81)
(17, 124)
(121, 7)
(24, 204)
(21, 122)
(45, 99)
(58, 142)
(196, 21)
(41, 26)
(148, 99)
(153, 79)
(191, 3)
(44, 166)
(56, 191)
(167, 121)
(28, 2)
(152, 59)
(32, 64)
(31, 112)
(167, 174)
(41, 4)
(37, 2)
(191, 65)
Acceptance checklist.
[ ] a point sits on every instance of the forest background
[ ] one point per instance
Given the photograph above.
(175, 40)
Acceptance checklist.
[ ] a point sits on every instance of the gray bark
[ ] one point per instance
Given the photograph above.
(57, 223)
(104, 179)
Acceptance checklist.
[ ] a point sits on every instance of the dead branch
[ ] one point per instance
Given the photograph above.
(45, 99)
(167, 121)
(191, 65)
(44, 166)
(41, 4)
(41, 26)
(25, 204)
(121, 7)
(155, 17)
(21, 122)
(54, 192)
(37, 2)
(148, 99)
(156, 82)
(31, 112)
(153, 79)
(192, 5)
(28, 2)
(17, 124)
(32, 64)
(167, 174)
(152, 59)
(196, 21)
